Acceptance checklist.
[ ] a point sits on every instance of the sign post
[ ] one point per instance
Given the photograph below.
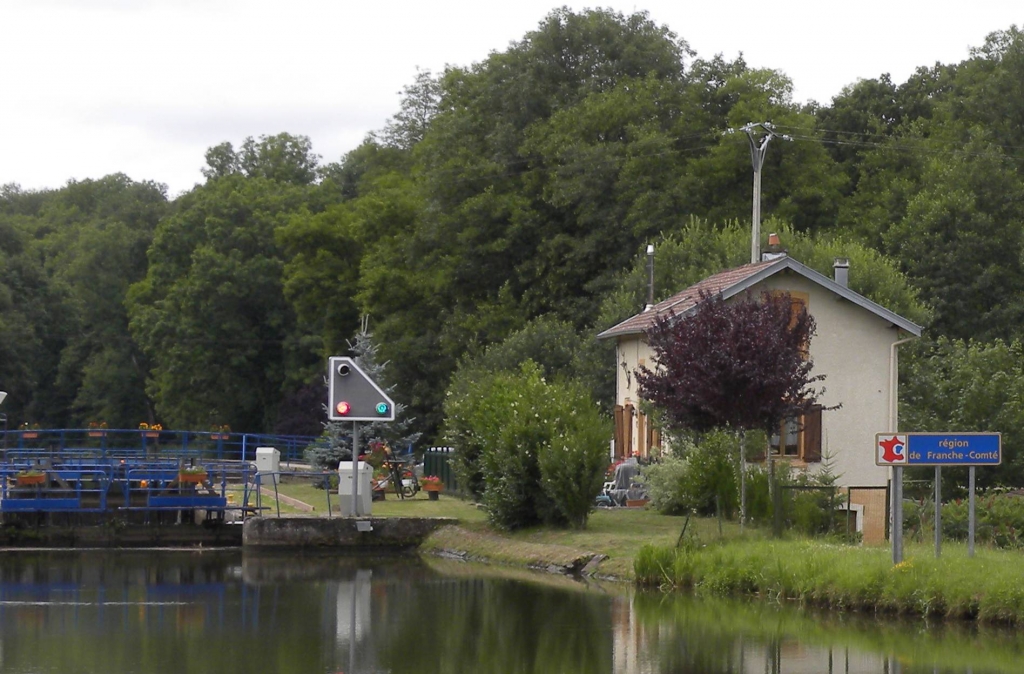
(899, 450)
(938, 511)
(353, 396)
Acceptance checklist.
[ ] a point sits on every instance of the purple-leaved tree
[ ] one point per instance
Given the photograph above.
(739, 365)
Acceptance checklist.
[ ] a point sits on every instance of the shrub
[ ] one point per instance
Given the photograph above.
(694, 475)
(533, 451)
(666, 485)
(574, 455)
(999, 519)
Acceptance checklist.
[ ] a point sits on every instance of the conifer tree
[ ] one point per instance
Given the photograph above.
(398, 434)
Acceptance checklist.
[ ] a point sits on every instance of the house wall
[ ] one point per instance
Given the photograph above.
(851, 348)
(630, 354)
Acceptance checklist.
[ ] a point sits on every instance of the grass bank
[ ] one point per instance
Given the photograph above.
(988, 588)
(616, 533)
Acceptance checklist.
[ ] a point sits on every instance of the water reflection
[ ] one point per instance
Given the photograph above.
(175, 611)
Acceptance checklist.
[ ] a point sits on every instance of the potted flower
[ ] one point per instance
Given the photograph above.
(150, 431)
(29, 432)
(432, 485)
(30, 478)
(220, 432)
(192, 475)
(97, 429)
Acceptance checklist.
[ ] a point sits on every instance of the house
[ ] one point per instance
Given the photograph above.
(855, 348)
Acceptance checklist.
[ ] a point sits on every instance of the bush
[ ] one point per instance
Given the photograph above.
(533, 451)
(666, 485)
(692, 478)
(999, 519)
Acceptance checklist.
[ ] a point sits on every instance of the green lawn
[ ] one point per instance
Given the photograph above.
(418, 506)
(617, 533)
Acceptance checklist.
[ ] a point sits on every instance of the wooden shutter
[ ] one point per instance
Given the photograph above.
(812, 435)
(627, 430)
(641, 434)
(620, 433)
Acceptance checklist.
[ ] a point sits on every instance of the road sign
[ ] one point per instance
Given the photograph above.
(353, 396)
(938, 449)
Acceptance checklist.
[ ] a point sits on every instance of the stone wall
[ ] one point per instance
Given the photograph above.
(395, 533)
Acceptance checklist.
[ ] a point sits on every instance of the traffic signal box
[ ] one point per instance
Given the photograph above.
(353, 396)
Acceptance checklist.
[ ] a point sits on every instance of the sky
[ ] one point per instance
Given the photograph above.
(144, 87)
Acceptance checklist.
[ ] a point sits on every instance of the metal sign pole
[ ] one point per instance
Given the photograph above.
(897, 514)
(970, 513)
(938, 512)
(355, 468)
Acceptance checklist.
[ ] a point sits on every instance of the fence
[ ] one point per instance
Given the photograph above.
(123, 443)
(438, 461)
(97, 485)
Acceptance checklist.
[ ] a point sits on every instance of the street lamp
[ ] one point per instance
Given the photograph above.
(3, 394)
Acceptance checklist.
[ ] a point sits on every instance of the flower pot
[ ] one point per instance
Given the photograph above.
(30, 480)
(151, 434)
(29, 435)
(191, 478)
(97, 434)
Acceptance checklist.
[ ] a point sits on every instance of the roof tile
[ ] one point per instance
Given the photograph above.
(685, 300)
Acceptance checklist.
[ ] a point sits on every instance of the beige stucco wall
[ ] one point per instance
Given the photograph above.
(852, 349)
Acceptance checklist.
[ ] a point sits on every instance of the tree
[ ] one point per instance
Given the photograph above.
(282, 158)
(419, 104)
(967, 386)
(68, 257)
(699, 248)
(739, 365)
(211, 313)
(397, 434)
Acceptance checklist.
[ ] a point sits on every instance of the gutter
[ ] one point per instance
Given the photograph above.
(894, 381)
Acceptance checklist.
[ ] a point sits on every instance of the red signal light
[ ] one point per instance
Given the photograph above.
(343, 408)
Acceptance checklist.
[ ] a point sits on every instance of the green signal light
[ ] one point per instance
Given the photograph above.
(382, 408)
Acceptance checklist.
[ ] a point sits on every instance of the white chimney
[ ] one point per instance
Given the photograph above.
(841, 268)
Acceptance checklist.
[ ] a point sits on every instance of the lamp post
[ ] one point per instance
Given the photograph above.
(3, 395)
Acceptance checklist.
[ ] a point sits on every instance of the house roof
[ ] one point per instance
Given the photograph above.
(731, 282)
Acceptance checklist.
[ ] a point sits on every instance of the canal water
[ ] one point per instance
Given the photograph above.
(225, 612)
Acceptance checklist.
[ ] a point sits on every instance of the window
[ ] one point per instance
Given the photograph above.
(799, 438)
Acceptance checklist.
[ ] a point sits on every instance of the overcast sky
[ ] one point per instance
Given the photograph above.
(92, 87)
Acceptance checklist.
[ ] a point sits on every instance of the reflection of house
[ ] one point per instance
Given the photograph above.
(855, 347)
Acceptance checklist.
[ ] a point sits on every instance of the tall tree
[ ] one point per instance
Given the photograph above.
(211, 314)
(76, 251)
(281, 158)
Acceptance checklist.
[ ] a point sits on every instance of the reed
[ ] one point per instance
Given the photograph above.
(987, 588)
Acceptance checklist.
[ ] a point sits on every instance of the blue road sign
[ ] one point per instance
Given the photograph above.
(938, 449)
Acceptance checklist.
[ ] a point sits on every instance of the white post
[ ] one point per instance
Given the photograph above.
(355, 469)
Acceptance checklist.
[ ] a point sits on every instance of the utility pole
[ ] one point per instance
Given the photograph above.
(759, 135)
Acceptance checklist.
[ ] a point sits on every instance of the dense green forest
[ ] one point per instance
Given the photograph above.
(501, 214)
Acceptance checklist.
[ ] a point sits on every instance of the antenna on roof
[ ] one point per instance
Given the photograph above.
(650, 277)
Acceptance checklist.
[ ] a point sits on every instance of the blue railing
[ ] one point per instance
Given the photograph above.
(135, 443)
(102, 485)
